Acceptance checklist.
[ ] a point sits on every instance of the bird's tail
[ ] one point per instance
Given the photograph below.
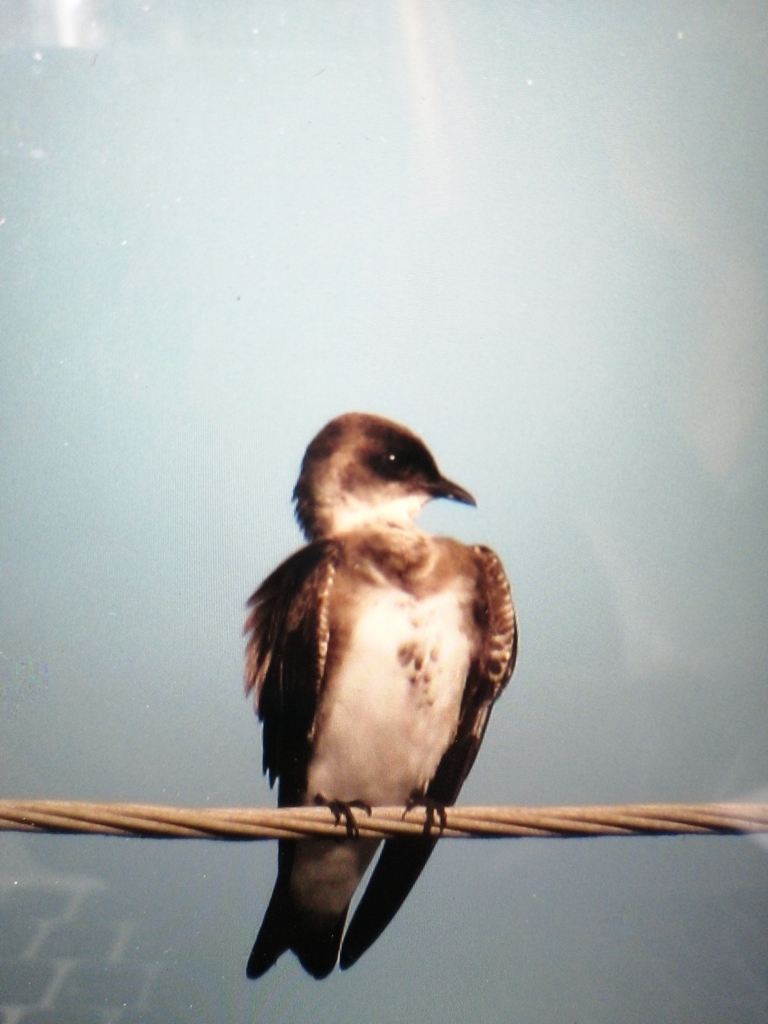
(400, 864)
(274, 936)
(285, 927)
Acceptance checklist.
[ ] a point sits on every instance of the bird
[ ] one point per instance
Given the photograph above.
(374, 655)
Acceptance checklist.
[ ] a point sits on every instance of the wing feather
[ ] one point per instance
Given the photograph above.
(286, 650)
(489, 673)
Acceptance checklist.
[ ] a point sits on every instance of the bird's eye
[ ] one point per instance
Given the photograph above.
(401, 458)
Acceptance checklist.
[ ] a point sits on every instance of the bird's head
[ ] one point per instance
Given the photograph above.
(365, 469)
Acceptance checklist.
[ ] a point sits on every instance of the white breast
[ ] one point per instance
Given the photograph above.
(391, 709)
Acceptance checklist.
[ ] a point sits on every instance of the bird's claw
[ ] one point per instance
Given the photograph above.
(434, 811)
(343, 809)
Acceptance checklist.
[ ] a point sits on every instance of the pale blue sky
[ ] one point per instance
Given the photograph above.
(535, 234)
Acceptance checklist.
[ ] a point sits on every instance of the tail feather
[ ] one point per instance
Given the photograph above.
(400, 864)
(285, 927)
(318, 949)
(274, 936)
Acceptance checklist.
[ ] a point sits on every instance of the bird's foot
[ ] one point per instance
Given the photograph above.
(343, 809)
(434, 811)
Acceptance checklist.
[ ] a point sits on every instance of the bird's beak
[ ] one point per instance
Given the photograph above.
(443, 488)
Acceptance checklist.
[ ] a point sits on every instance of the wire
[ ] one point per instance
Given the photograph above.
(147, 821)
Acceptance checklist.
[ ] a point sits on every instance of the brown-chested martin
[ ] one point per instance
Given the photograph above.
(374, 654)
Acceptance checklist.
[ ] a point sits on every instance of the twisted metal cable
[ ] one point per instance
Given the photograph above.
(148, 821)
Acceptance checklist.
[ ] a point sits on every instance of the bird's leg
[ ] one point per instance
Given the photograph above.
(434, 811)
(343, 809)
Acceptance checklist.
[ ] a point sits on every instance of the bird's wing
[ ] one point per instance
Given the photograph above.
(287, 630)
(489, 673)
(402, 860)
